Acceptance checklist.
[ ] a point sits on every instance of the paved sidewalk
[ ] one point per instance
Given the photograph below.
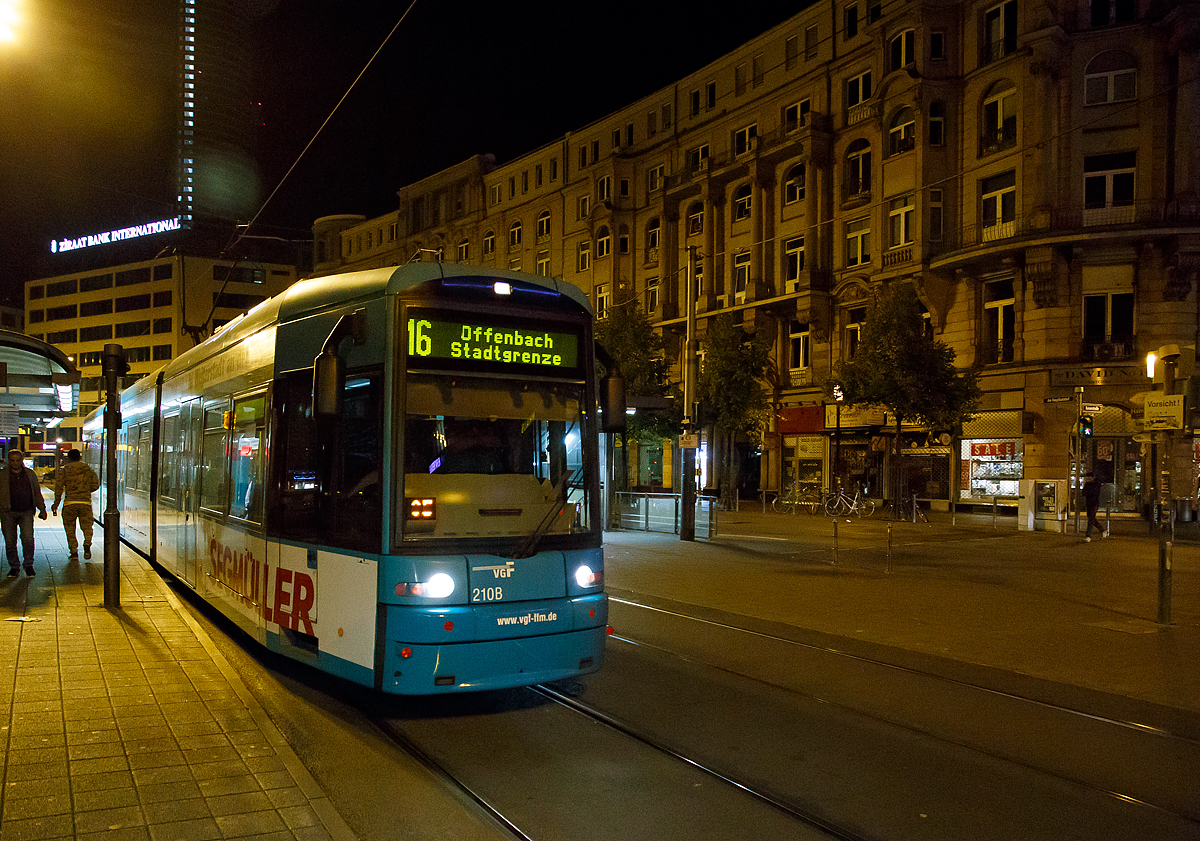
(128, 723)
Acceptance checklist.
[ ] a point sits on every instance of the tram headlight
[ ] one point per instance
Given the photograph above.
(585, 577)
(439, 586)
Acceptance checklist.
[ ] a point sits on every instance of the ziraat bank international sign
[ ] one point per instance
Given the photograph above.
(58, 246)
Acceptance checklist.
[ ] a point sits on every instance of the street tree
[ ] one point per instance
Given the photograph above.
(900, 366)
(729, 386)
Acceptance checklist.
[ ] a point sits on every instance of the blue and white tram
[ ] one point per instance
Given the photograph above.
(390, 474)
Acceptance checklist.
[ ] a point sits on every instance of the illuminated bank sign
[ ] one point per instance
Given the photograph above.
(57, 246)
(464, 344)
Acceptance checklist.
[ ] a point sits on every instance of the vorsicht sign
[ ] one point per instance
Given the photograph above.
(1163, 411)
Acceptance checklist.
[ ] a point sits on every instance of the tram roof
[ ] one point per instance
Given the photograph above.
(36, 378)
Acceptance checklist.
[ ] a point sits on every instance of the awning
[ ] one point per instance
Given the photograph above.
(38, 383)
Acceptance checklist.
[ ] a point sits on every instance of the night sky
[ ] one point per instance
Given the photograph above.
(87, 102)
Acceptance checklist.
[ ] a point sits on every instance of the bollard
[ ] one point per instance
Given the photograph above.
(994, 526)
(914, 519)
(835, 541)
(889, 552)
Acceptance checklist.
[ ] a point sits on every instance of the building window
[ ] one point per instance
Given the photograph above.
(858, 242)
(603, 243)
(695, 219)
(651, 123)
(999, 205)
(583, 207)
(624, 188)
(698, 158)
(811, 40)
(741, 276)
(584, 261)
(743, 139)
(798, 341)
(795, 116)
(537, 176)
(999, 32)
(603, 301)
(1106, 12)
(695, 103)
(791, 52)
(1108, 186)
(543, 226)
(623, 240)
(741, 203)
(604, 189)
(710, 96)
(936, 222)
(1108, 325)
(583, 156)
(793, 263)
(998, 322)
(858, 89)
(651, 294)
(514, 236)
(1110, 77)
(937, 124)
(739, 80)
(616, 137)
(494, 195)
(858, 169)
(653, 230)
(162, 352)
(793, 185)
(654, 178)
(900, 215)
(850, 21)
(999, 119)
(464, 250)
(903, 49)
(554, 169)
(937, 45)
(162, 325)
(902, 132)
(543, 263)
(666, 116)
(514, 263)
(856, 317)
(489, 243)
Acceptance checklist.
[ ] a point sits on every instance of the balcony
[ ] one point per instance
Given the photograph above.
(897, 256)
(1117, 349)
(862, 111)
(998, 139)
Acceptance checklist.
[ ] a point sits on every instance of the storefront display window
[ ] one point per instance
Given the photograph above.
(991, 467)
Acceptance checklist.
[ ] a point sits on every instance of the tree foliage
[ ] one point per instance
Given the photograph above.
(899, 366)
(730, 385)
(628, 336)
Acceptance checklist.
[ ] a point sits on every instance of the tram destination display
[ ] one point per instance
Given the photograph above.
(455, 342)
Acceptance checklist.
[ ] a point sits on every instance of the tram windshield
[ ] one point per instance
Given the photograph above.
(489, 459)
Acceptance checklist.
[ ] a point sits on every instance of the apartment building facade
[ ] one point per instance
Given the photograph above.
(155, 309)
(1031, 169)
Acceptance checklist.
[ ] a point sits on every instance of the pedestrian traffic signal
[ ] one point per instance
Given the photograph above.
(1085, 426)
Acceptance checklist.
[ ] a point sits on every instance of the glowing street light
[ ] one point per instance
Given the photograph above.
(10, 20)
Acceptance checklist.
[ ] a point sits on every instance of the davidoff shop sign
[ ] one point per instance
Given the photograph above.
(1100, 375)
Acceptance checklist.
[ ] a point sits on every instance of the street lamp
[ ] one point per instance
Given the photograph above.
(10, 21)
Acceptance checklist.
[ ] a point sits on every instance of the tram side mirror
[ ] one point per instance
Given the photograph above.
(329, 373)
(612, 404)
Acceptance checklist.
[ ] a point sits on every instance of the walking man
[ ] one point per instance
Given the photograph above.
(77, 482)
(20, 496)
(1091, 499)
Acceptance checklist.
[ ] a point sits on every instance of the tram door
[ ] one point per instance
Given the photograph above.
(190, 437)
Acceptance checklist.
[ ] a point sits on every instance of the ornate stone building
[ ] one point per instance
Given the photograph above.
(1032, 168)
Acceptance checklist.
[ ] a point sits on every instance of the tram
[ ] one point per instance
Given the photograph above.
(392, 475)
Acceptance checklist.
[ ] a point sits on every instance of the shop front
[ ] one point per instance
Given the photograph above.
(992, 457)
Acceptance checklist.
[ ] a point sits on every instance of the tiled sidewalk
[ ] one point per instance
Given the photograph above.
(128, 724)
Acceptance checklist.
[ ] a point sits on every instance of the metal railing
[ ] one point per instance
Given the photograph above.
(662, 512)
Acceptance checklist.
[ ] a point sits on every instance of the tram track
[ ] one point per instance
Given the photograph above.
(1159, 746)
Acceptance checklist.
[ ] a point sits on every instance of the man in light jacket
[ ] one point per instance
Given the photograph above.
(20, 496)
(77, 482)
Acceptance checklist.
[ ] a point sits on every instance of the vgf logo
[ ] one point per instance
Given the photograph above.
(498, 571)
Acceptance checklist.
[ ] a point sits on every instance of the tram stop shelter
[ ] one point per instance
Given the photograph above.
(39, 384)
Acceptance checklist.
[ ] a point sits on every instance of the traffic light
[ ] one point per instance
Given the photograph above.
(1085, 426)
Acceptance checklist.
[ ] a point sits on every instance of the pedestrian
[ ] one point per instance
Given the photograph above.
(1091, 499)
(20, 496)
(74, 485)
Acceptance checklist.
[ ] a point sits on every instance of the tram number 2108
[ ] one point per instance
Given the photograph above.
(487, 594)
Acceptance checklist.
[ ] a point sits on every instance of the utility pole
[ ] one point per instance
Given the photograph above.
(687, 518)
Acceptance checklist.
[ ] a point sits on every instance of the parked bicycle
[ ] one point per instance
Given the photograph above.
(903, 508)
(842, 504)
(799, 498)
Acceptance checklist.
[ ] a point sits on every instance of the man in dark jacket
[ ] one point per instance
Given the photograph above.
(74, 485)
(20, 496)
(1091, 500)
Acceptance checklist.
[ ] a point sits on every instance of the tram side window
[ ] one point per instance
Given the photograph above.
(167, 459)
(214, 479)
(250, 416)
(137, 462)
